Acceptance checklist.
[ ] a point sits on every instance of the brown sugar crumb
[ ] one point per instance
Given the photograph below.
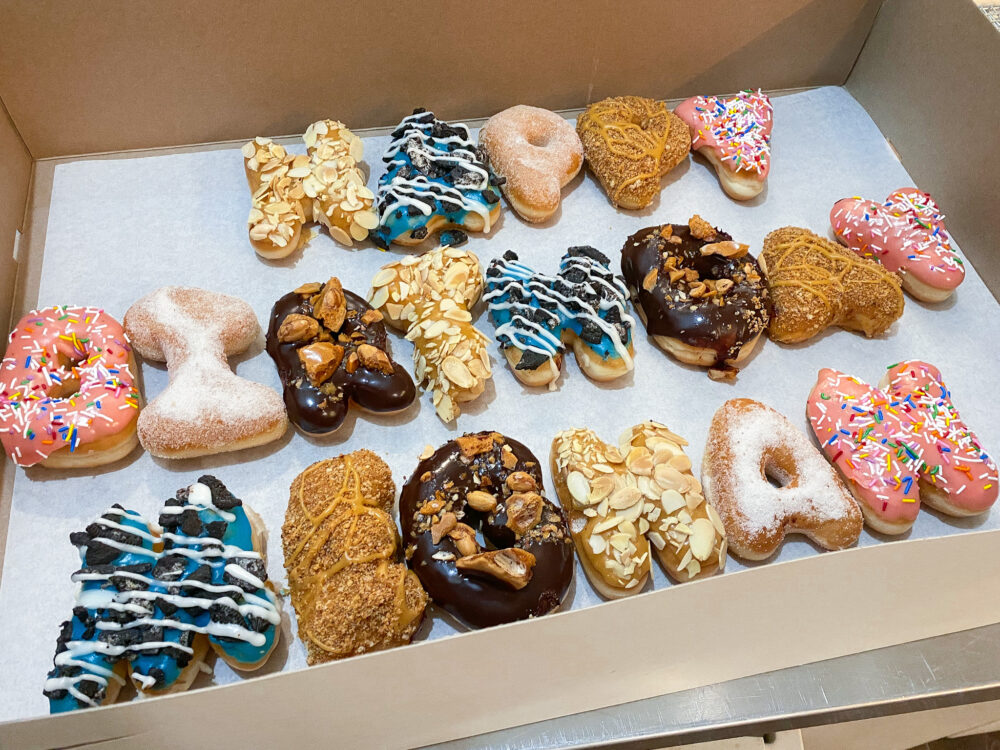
(350, 590)
(701, 229)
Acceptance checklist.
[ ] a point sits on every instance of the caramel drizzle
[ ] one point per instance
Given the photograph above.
(780, 274)
(308, 586)
(628, 140)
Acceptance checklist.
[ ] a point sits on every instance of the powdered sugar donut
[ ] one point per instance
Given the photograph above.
(67, 391)
(906, 234)
(537, 152)
(206, 408)
(750, 445)
(734, 134)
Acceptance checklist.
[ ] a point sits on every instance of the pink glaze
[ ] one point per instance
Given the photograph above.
(906, 233)
(953, 458)
(860, 433)
(51, 347)
(737, 129)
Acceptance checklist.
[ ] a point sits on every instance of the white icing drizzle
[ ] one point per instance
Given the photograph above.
(524, 333)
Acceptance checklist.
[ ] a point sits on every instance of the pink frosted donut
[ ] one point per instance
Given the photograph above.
(734, 134)
(906, 234)
(67, 393)
(900, 446)
(537, 152)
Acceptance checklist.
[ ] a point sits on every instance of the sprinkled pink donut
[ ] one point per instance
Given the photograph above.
(734, 134)
(906, 234)
(537, 152)
(67, 393)
(898, 446)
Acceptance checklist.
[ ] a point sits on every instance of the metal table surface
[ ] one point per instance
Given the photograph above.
(934, 673)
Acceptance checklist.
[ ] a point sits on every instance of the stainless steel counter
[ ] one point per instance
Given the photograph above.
(934, 673)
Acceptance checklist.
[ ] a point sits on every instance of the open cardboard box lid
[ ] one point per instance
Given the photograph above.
(114, 76)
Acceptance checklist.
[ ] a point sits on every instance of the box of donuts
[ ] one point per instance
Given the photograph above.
(538, 364)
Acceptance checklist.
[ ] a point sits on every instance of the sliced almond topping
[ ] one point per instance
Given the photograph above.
(579, 488)
(702, 539)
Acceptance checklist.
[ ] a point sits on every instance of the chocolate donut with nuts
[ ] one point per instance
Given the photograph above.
(701, 296)
(489, 487)
(331, 348)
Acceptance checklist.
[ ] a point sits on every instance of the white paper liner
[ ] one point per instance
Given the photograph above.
(119, 228)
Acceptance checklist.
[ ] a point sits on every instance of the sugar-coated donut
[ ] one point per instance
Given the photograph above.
(68, 397)
(906, 234)
(436, 177)
(628, 501)
(901, 445)
(537, 153)
(485, 483)
(816, 283)
(153, 597)
(750, 449)
(351, 591)
(536, 315)
(331, 350)
(325, 185)
(630, 143)
(701, 296)
(206, 408)
(734, 134)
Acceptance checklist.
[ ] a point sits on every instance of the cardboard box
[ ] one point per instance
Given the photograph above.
(113, 76)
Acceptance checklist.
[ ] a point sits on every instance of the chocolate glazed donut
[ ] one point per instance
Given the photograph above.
(694, 284)
(490, 484)
(330, 348)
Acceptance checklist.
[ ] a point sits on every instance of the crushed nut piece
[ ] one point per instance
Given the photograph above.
(512, 566)
(701, 229)
(727, 249)
(464, 537)
(320, 360)
(374, 358)
(521, 481)
(441, 528)
(298, 328)
(650, 281)
(481, 501)
(371, 316)
(331, 305)
(310, 288)
(431, 507)
(473, 445)
(524, 511)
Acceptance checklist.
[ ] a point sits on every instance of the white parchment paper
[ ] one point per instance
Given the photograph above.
(119, 228)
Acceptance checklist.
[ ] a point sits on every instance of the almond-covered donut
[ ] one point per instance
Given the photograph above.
(67, 390)
(537, 152)
(485, 483)
(701, 296)
(630, 143)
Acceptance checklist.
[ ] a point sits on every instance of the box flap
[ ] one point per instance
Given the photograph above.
(928, 77)
(115, 75)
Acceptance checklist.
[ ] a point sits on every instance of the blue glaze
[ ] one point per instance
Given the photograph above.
(434, 169)
(154, 618)
(532, 311)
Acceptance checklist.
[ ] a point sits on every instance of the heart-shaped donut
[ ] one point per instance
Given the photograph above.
(752, 448)
(906, 234)
(630, 142)
(537, 152)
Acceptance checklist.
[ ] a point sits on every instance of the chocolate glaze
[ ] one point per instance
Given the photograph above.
(321, 410)
(723, 328)
(475, 599)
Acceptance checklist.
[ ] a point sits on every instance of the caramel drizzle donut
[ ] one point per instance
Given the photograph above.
(67, 389)
(622, 500)
(430, 297)
(701, 296)
(537, 153)
(351, 592)
(485, 483)
(326, 185)
(330, 348)
(630, 143)
(206, 408)
(816, 284)
(750, 445)
(436, 176)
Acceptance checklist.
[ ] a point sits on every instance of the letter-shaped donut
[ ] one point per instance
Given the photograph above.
(750, 445)
(206, 408)
(626, 501)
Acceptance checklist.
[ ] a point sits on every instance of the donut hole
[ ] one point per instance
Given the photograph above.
(66, 387)
(540, 140)
(775, 474)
